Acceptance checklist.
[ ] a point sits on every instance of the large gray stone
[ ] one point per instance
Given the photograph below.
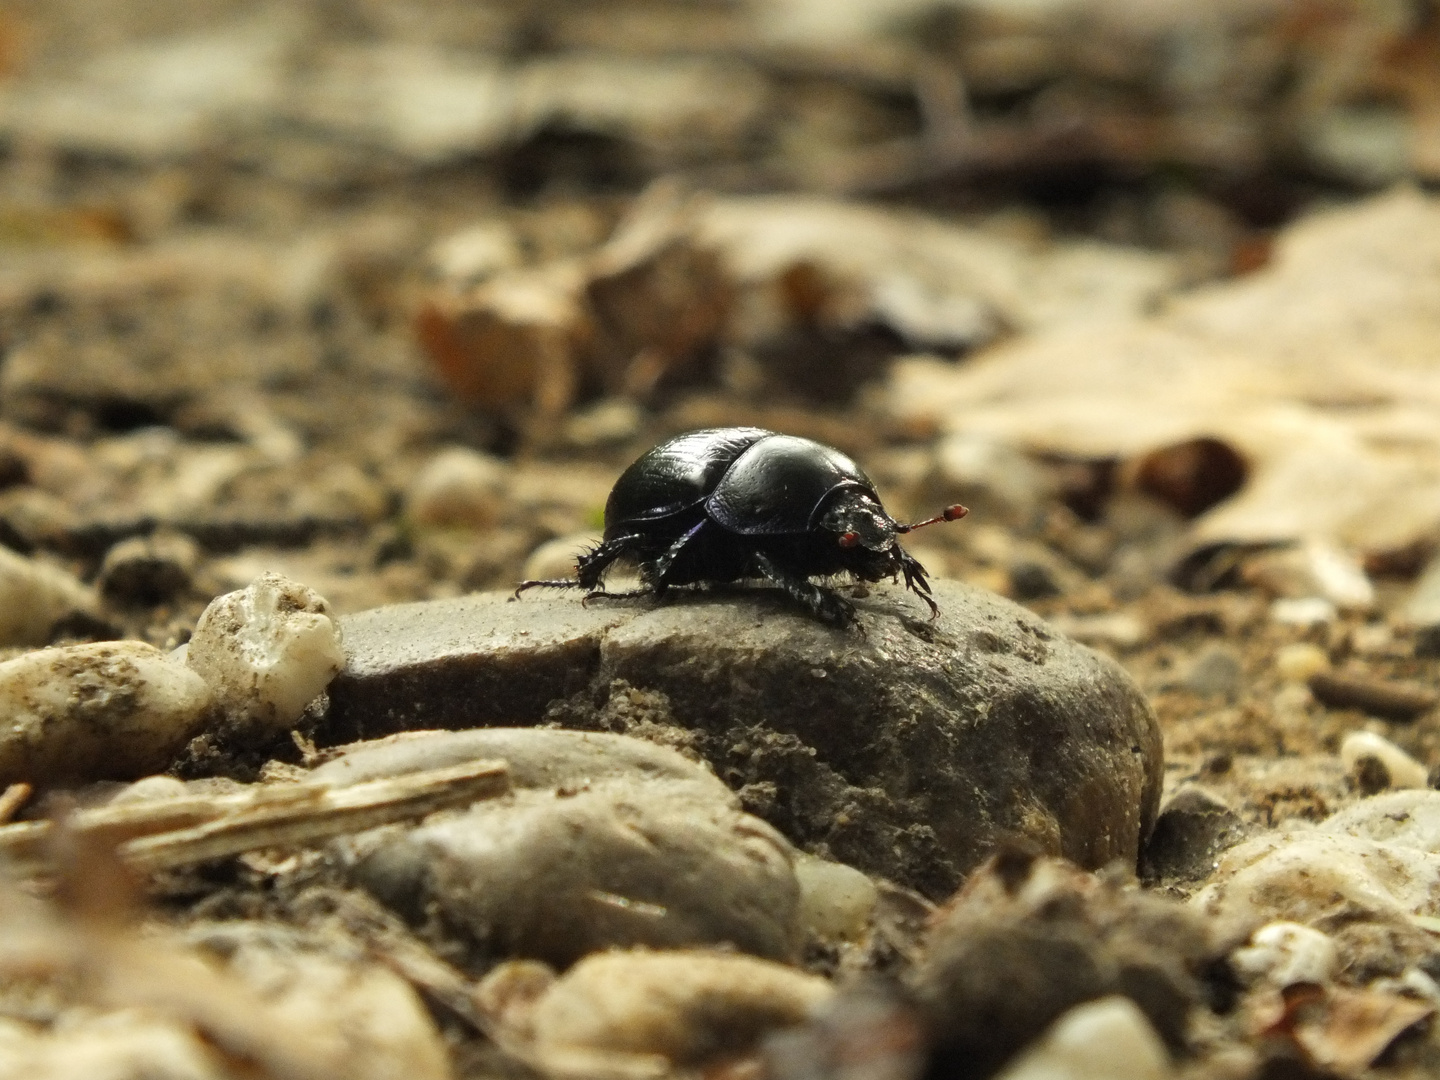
(558, 874)
(905, 747)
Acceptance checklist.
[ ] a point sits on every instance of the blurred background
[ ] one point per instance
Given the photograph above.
(386, 293)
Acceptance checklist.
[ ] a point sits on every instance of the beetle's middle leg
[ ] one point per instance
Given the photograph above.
(823, 603)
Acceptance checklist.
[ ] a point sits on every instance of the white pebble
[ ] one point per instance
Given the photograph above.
(1404, 771)
(1409, 818)
(33, 596)
(1305, 876)
(1306, 611)
(458, 487)
(150, 789)
(1109, 1039)
(1287, 953)
(108, 710)
(1339, 576)
(836, 901)
(267, 651)
(1295, 663)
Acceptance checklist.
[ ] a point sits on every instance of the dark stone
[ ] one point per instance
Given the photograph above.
(1030, 938)
(1193, 830)
(905, 747)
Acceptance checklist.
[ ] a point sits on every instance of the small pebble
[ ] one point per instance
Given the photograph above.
(110, 710)
(149, 789)
(1193, 829)
(1108, 1039)
(1340, 577)
(1314, 570)
(34, 596)
(1400, 769)
(1030, 580)
(1304, 611)
(1374, 639)
(458, 487)
(266, 652)
(148, 570)
(1216, 672)
(1422, 610)
(836, 901)
(1286, 953)
(688, 1006)
(1296, 662)
(1118, 629)
(607, 422)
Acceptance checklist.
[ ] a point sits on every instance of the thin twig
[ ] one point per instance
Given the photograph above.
(176, 832)
(12, 799)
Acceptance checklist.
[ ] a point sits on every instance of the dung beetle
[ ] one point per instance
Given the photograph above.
(724, 504)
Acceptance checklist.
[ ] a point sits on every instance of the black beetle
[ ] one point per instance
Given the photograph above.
(722, 504)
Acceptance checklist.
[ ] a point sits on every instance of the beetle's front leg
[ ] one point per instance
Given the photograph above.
(916, 580)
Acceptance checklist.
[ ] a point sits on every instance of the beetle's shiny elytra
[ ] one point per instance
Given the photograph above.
(725, 504)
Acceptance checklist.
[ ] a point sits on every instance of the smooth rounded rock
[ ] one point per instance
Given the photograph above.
(687, 1005)
(1109, 1039)
(836, 901)
(907, 746)
(111, 710)
(458, 487)
(557, 874)
(145, 571)
(34, 596)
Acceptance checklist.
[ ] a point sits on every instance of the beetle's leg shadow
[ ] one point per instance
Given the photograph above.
(822, 603)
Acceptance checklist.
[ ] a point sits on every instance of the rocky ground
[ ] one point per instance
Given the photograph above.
(324, 325)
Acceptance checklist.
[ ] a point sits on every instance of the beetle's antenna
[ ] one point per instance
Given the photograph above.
(950, 513)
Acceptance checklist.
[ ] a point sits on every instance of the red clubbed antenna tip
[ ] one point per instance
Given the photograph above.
(950, 513)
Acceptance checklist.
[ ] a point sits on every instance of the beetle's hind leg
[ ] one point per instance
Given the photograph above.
(823, 603)
(590, 567)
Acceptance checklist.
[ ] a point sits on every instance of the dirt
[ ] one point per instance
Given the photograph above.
(218, 340)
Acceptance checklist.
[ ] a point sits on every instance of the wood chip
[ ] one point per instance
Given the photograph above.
(1379, 697)
(177, 832)
(14, 797)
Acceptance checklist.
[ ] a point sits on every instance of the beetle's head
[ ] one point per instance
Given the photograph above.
(858, 521)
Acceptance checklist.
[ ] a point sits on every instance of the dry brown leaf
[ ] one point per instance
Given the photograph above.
(1321, 371)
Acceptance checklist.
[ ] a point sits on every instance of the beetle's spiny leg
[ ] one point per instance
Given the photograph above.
(629, 594)
(823, 603)
(550, 583)
(660, 568)
(918, 582)
(591, 566)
